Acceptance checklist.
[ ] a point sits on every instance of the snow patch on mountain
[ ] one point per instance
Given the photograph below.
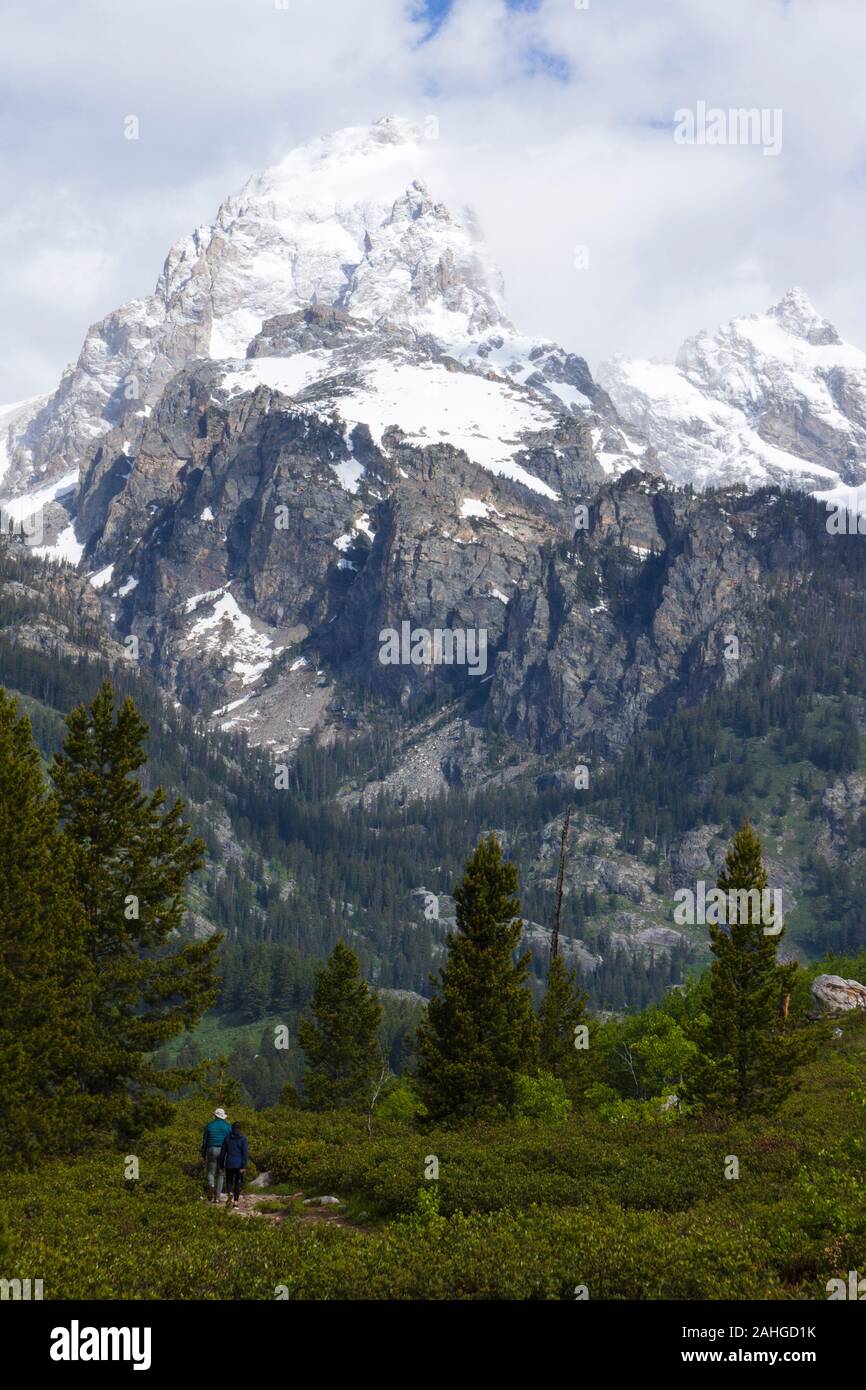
(102, 577)
(473, 506)
(26, 504)
(348, 473)
(350, 538)
(41, 511)
(430, 404)
(67, 548)
(226, 629)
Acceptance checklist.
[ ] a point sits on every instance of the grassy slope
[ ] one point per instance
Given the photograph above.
(217, 1034)
(631, 1209)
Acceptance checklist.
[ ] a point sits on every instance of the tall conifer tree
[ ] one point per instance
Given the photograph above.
(747, 1052)
(561, 1015)
(341, 1039)
(480, 1031)
(46, 981)
(131, 860)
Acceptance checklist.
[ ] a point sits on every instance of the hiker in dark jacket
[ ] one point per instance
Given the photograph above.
(233, 1158)
(215, 1132)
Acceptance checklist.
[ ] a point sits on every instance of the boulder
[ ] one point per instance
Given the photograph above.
(833, 995)
(263, 1180)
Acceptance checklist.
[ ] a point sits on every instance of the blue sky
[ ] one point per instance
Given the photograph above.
(432, 14)
(555, 125)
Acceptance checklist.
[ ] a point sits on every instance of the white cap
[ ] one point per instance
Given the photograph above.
(221, 1114)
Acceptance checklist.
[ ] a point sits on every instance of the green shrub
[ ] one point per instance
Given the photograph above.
(629, 1203)
(541, 1098)
(400, 1104)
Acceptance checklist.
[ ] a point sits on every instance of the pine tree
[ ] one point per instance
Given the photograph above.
(341, 1040)
(45, 975)
(747, 1052)
(255, 991)
(480, 1031)
(131, 860)
(560, 1017)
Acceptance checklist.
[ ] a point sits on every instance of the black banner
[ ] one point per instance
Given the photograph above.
(147, 1338)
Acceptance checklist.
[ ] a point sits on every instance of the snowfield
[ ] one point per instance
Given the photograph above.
(228, 630)
(484, 418)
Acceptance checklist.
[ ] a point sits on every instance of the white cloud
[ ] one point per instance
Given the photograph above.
(555, 124)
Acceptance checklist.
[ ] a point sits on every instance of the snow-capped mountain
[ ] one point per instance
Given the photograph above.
(346, 222)
(322, 425)
(768, 398)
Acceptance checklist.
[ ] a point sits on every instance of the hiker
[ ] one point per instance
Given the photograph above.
(233, 1157)
(215, 1132)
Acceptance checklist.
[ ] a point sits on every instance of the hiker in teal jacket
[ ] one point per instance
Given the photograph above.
(215, 1132)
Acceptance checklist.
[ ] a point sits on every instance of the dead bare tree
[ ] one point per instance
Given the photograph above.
(563, 855)
(625, 1054)
(376, 1092)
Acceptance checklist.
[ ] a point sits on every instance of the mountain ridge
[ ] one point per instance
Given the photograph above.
(773, 397)
(343, 221)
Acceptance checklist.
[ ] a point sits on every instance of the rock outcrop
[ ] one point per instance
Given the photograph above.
(835, 996)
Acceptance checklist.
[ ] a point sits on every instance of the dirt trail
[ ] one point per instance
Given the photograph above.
(250, 1202)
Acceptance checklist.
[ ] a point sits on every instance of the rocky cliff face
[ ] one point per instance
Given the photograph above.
(236, 520)
(261, 547)
(656, 603)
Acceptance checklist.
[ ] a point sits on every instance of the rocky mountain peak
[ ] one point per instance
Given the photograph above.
(345, 221)
(798, 316)
(768, 397)
(346, 144)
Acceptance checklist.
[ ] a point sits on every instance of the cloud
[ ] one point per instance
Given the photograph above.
(556, 124)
